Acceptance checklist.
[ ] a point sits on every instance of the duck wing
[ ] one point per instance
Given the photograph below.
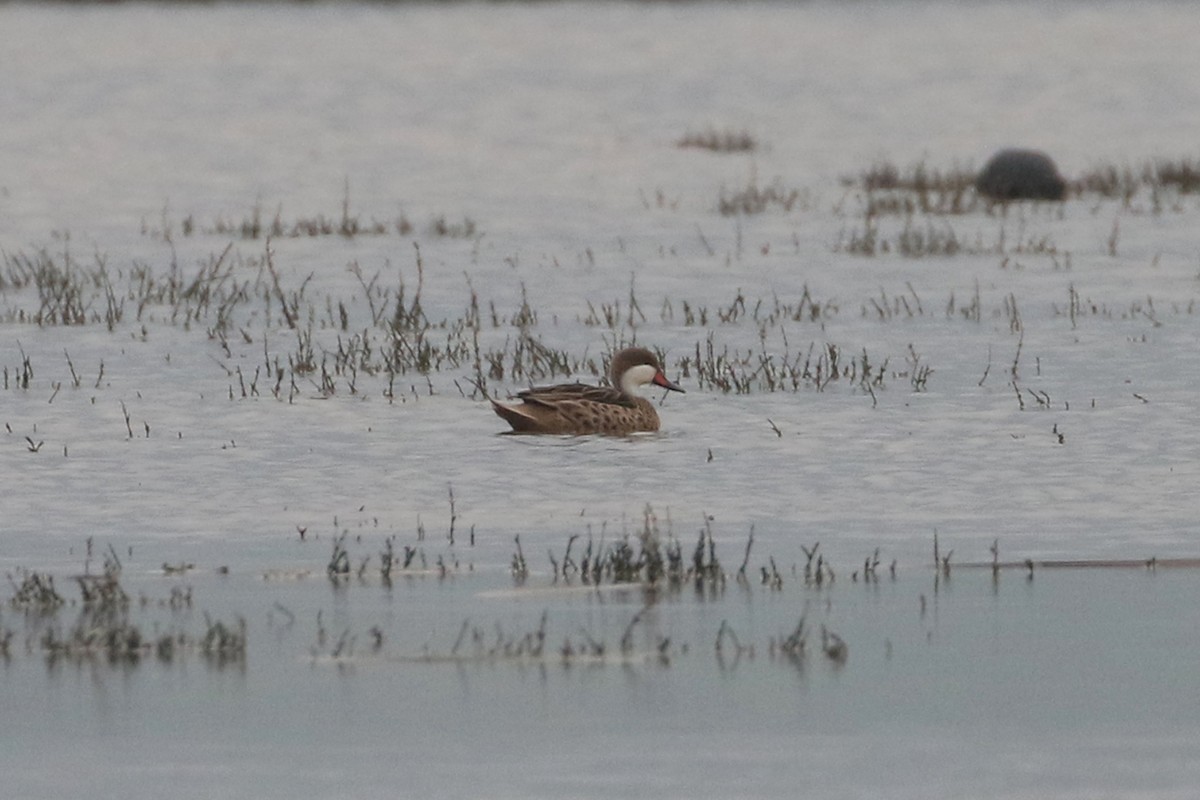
(550, 396)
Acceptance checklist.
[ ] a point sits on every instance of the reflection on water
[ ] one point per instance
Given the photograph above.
(478, 680)
(261, 262)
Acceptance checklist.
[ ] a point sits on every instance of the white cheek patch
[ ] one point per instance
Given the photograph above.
(637, 376)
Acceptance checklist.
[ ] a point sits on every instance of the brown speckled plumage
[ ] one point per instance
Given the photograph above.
(577, 409)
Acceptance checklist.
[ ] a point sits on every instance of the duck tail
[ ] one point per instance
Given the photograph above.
(520, 421)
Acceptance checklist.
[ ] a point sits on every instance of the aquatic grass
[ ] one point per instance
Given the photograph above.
(926, 238)
(102, 594)
(474, 644)
(834, 647)
(104, 631)
(258, 224)
(754, 199)
(442, 227)
(745, 371)
(22, 375)
(383, 339)
(415, 343)
(35, 593)
(387, 559)
(794, 646)
(223, 644)
(918, 189)
(72, 293)
(1182, 174)
(261, 223)
(1164, 180)
(527, 646)
(107, 632)
(889, 190)
(652, 559)
(118, 642)
(870, 569)
(725, 633)
(519, 568)
(719, 141)
(918, 177)
(339, 562)
(660, 201)
(64, 287)
(1109, 181)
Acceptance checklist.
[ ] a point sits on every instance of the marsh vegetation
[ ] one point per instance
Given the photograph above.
(259, 271)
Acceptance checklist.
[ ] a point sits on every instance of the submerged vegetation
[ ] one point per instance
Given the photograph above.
(927, 199)
(273, 334)
(104, 630)
(244, 303)
(918, 189)
(280, 320)
(646, 572)
(924, 188)
(1125, 182)
(719, 141)
(261, 223)
(754, 198)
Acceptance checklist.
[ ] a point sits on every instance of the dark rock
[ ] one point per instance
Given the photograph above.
(1021, 175)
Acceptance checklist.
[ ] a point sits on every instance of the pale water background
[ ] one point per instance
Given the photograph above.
(553, 129)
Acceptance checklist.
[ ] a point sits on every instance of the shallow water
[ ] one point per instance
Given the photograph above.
(1055, 422)
(996, 691)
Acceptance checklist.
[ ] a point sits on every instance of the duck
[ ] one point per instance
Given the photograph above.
(579, 409)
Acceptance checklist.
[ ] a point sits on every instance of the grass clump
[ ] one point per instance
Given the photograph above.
(755, 199)
(1164, 180)
(917, 189)
(735, 371)
(1183, 174)
(224, 643)
(888, 190)
(261, 223)
(647, 557)
(35, 593)
(713, 140)
(930, 238)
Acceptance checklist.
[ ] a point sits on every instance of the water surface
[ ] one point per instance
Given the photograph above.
(532, 151)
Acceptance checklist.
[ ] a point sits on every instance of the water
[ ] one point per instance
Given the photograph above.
(1012, 692)
(550, 130)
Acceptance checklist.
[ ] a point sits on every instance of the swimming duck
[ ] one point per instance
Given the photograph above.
(578, 409)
